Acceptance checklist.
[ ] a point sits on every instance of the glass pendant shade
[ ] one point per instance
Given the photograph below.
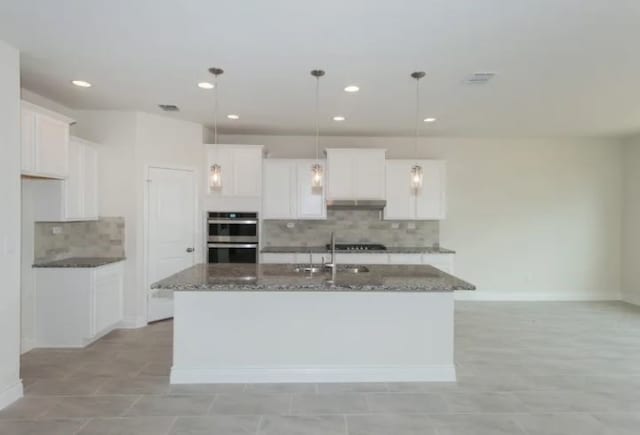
(215, 177)
(316, 175)
(416, 177)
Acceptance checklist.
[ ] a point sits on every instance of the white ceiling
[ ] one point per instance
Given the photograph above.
(565, 67)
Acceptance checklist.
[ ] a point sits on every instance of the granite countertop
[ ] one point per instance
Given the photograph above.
(389, 250)
(80, 262)
(282, 277)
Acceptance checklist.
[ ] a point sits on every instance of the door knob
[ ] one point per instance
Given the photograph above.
(190, 249)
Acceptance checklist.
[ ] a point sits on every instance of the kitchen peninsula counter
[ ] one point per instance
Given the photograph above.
(262, 323)
(284, 277)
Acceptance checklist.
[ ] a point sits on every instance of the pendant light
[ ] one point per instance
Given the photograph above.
(316, 168)
(416, 170)
(215, 171)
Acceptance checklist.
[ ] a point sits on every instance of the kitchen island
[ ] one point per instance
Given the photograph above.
(247, 323)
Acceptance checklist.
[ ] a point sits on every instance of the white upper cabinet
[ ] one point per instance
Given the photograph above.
(279, 189)
(90, 184)
(287, 190)
(45, 142)
(431, 198)
(76, 197)
(428, 203)
(355, 173)
(400, 198)
(241, 169)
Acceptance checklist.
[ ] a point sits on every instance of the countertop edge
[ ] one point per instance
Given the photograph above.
(71, 264)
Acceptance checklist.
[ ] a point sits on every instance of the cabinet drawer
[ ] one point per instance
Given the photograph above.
(405, 258)
(343, 258)
(278, 258)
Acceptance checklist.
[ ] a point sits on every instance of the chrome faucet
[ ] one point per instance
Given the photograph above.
(332, 264)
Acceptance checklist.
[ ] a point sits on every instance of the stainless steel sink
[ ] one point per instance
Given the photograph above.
(352, 268)
(344, 268)
(308, 269)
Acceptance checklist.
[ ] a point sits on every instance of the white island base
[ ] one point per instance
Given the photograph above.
(307, 336)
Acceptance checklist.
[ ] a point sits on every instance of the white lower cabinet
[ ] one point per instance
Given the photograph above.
(76, 306)
(355, 258)
(443, 262)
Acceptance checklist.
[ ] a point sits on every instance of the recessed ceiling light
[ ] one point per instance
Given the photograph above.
(205, 85)
(232, 116)
(339, 118)
(352, 88)
(81, 83)
(429, 119)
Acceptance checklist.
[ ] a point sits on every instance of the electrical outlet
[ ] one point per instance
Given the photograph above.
(411, 226)
(291, 225)
(395, 225)
(56, 230)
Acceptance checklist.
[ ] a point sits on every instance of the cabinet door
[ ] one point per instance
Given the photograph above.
(310, 200)
(400, 197)
(247, 166)
(431, 199)
(108, 297)
(369, 168)
(28, 143)
(90, 183)
(52, 142)
(73, 185)
(279, 189)
(340, 176)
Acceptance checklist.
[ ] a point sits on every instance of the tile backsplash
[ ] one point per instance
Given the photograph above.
(351, 226)
(101, 238)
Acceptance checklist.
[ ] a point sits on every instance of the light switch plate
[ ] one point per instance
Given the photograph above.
(411, 226)
(395, 225)
(56, 230)
(291, 225)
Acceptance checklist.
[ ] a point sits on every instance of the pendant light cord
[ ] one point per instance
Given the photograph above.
(317, 115)
(215, 109)
(415, 141)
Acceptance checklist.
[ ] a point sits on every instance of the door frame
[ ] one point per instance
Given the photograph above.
(147, 237)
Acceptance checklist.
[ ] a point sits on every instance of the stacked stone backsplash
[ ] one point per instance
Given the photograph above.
(101, 238)
(351, 226)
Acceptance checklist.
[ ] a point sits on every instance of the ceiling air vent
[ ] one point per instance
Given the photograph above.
(479, 78)
(169, 107)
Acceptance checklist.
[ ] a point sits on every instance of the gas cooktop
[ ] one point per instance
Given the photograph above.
(358, 247)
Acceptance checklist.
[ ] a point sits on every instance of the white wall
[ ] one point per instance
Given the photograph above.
(631, 221)
(116, 134)
(130, 142)
(27, 274)
(10, 384)
(166, 142)
(529, 219)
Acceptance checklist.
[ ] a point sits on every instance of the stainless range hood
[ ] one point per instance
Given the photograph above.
(357, 204)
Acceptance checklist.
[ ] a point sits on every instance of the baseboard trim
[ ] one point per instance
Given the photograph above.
(480, 295)
(27, 345)
(132, 323)
(11, 394)
(313, 374)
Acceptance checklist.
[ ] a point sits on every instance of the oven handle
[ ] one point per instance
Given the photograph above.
(232, 221)
(232, 245)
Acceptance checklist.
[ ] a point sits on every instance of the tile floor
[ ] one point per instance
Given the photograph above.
(523, 368)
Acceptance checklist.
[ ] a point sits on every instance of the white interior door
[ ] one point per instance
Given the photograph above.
(171, 215)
